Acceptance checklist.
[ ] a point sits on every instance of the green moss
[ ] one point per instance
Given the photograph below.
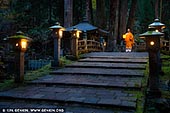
(32, 75)
(165, 67)
(140, 100)
(140, 95)
(165, 52)
(18, 36)
(165, 94)
(7, 84)
(64, 61)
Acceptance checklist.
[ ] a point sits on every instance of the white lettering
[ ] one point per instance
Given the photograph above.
(35, 110)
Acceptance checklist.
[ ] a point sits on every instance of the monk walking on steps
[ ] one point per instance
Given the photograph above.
(129, 40)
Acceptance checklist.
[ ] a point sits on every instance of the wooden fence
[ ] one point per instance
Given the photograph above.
(36, 64)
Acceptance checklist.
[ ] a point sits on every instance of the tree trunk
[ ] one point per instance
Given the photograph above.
(131, 18)
(113, 28)
(156, 8)
(91, 12)
(50, 11)
(68, 13)
(100, 14)
(123, 16)
(88, 10)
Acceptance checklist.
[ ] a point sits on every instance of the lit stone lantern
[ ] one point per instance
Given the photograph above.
(158, 27)
(152, 39)
(57, 33)
(20, 44)
(75, 33)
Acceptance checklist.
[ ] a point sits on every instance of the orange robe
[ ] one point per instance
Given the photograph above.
(129, 40)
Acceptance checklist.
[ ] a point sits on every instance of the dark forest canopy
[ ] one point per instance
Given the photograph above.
(35, 16)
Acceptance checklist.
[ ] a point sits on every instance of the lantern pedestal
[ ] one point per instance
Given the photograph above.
(19, 65)
(75, 47)
(56, 62)
(153, 90)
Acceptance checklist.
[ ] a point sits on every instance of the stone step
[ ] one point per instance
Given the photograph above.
(107, 65)
(139, 61)
(99, 71)
(100, 97)
(91, 81)
(118, 55)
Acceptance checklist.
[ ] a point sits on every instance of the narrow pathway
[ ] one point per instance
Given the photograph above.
(101, 82)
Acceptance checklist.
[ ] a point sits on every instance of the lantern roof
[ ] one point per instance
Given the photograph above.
(75, 29)
(19, 35)
(56, 26)
(151, 32)
(83, 26)
(156, 23)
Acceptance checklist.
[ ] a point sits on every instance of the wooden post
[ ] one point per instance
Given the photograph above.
(85, 41)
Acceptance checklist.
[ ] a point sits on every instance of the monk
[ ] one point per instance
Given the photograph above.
(129, 40)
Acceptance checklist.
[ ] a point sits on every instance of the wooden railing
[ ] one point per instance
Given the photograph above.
(89, 46)
(140, 47)
(165, 45)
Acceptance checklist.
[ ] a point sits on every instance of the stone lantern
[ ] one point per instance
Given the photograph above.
(75, 34)
(57, 33)
(20, 44)
(158, 27)
(152, 39)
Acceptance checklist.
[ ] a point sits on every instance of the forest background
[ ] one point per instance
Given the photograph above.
(34, 17)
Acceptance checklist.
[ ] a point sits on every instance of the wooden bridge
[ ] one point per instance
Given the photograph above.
(85, 46)
(89, 46)
(165, 44)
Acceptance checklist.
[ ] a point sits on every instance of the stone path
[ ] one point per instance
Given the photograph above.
(100, 83)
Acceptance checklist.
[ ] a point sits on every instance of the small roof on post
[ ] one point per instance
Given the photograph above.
(56, 26)
(157, 23)
(19, 35)
(83, 26)
(150, 32)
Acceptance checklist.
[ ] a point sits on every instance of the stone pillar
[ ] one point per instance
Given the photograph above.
(153, 75)
(75, 47)
(19, 65)
(57, 42)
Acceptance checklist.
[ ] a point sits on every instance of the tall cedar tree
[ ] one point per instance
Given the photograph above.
(100, 14)
(88, 12)
(68, 13)
(113, 26)
(131, 18)
(123, 15)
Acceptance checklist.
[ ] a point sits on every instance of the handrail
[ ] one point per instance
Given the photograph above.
(88, 46)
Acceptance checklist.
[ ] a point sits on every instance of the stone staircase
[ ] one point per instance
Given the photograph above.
(101, 82)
